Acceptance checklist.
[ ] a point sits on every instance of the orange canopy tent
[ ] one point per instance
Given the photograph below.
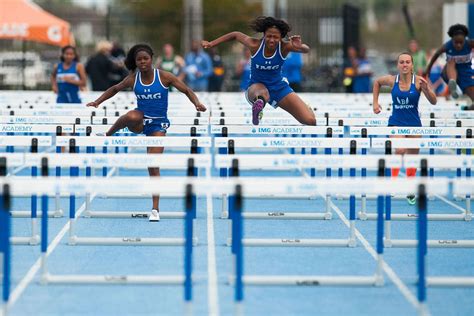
(24, 20)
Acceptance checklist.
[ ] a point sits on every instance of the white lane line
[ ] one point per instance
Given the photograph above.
(463, 210)
(21, 287)
(388, 270)
(212, 287)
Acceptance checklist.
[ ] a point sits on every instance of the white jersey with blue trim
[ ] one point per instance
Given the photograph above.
(152, 99)
(267, 70)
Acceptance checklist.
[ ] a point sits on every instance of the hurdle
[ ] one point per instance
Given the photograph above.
(329, 186)
(190, 165)
(462, 187)
(351, 162)
(34, 142)
(231, 143)
(185, 279)
(442, 143)
(5, 245)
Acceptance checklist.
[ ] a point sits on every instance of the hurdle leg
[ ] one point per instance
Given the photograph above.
(468, 216)
(363, 212)
(379, 280)
(225, 207)
(328, 213)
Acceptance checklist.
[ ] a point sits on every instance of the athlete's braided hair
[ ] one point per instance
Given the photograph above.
(458, 29)
(262, 23)
(132, 54)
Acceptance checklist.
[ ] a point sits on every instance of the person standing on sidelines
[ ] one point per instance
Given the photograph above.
(151, 89)
(406, 88)
(267, 85)
(458, 69)
(68, 76)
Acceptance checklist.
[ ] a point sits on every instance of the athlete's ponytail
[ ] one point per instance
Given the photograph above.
(132, 54)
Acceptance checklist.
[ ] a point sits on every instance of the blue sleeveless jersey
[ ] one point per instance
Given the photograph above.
(405, 105)
(67, 92)
(152, 99)
(266, 70)
(462, 57)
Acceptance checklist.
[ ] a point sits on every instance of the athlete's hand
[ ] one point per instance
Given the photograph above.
(94, 104)
(55, 89)
(423, 84)
(206, 44)
(377, 108)
(296, 41)
(201, 107)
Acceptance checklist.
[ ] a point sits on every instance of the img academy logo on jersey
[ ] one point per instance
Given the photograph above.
(267, 66)
(149, 96)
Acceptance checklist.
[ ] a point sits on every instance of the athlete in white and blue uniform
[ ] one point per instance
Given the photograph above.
(151, 89)
(458, 69)
(267, 84)
(68, 76)
(406, 88)
(152, 101)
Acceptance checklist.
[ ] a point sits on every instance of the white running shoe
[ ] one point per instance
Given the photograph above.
(100, 134)
(452, 86)
(154, 216)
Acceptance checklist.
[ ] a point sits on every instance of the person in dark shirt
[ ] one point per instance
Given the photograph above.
(99, 67)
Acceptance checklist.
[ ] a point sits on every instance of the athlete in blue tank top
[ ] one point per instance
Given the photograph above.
(458, 69)
(406, 89)
(151, 89)
(267, 83)
(68, 76)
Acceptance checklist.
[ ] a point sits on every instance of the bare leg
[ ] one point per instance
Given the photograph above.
(293, 104)
(398, 151)
(132, 119)
(155, 172)
(256, 90)
(451, 72)
(452, 75)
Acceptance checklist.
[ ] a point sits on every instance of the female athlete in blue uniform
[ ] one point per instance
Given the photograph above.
(151, 89)
(406, 88)
(458, 67)
(68, 76)
(267, 85)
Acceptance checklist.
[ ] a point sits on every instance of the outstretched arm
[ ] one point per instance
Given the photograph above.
(110, 92)
(295, 45)
(170, 79)
(426, 89)
(382, 81)
(246, 40)
(438, 53)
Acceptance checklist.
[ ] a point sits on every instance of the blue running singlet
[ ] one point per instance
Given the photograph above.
(152, 100)
(67, 92)
(462, 58)
(405, 105)
(267, 71)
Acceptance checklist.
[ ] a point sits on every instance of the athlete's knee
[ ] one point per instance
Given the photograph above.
(308, 120)
(401, 151)
(135, 116)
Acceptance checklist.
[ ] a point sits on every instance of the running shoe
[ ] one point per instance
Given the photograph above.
(154, 216)
(257, 113)
(411, 199)
(453, 88)
(100, 134)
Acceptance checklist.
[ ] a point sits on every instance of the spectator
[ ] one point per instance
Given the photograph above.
(292, 70)
(363, 74)
(217, 77)
(117, 55)
(99, 67)
(242, 69)
(350, 65)
(198, 68)
(419, 57)
(171, 62)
